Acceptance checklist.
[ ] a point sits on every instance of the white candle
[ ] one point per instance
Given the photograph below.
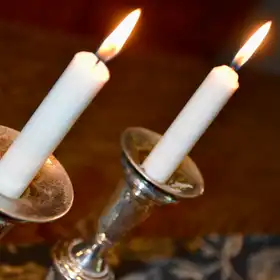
(198, 114)
(191, 123)
(76, 88)
(72, 93)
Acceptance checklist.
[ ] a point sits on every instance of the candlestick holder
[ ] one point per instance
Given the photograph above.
(48, 197)
(132, 203)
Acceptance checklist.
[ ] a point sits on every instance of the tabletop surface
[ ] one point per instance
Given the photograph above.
(211, 258)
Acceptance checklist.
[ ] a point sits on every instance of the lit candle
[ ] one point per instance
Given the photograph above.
(198, 113)
(79, 84)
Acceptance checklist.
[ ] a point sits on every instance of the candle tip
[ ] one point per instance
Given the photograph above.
(250, 46)
(115, 41)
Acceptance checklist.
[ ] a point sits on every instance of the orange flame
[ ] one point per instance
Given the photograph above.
(115, 41)
(251, 45)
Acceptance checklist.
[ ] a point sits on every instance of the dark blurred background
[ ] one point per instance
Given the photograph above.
(201, 27)
(171, 51)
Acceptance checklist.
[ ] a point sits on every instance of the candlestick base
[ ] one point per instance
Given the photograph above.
(48, 197)
(133, 202)
(70, 266)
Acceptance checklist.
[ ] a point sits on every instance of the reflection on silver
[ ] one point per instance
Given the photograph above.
(132, 203)
(49, 196)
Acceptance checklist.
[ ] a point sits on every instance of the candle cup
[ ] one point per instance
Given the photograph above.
(132, 203)
(48, 197)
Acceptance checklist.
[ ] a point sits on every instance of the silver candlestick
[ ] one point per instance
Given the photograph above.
(48, 197)
(133, 202)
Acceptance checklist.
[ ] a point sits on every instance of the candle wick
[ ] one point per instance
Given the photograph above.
(99, 58)
(235, 66)
(237, 62)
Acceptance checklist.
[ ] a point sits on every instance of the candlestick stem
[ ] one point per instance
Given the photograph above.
(134, 200)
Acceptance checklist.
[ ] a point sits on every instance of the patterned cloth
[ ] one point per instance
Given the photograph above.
(210, 258)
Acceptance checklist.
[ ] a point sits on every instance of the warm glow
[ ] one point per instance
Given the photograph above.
(115, 41)
(251, 45)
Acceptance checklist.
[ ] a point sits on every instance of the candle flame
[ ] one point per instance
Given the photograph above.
(251, 45)
(115, 41)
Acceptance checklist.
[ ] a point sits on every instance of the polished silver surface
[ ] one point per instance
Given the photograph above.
(70, 265)
(186, 181)
(133, 201)
(49, 196)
